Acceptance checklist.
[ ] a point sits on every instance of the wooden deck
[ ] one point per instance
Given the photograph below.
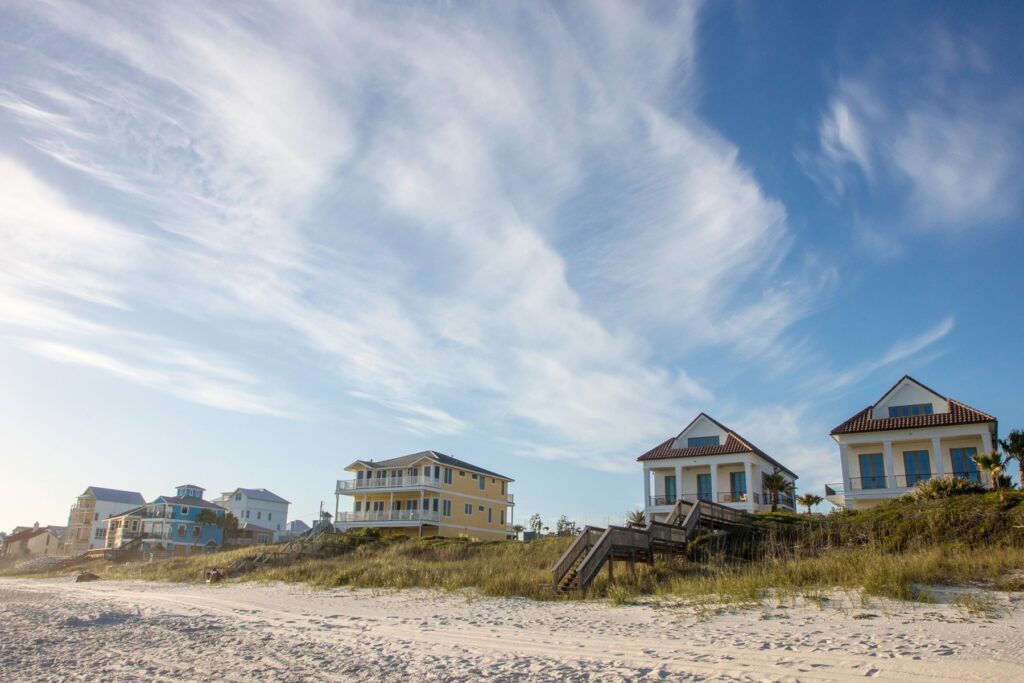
(595, 546)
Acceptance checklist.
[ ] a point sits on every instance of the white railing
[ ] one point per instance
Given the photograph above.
(511, 499)
(388, 516)
(374, 483)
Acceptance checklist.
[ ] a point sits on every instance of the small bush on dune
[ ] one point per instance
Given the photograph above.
(945, 487)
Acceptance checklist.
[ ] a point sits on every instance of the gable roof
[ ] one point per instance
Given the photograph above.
(116, 495)
(406, 460)
(27, 534)
(734, 443)
(188, 501)
(959, 414)
(261, 494)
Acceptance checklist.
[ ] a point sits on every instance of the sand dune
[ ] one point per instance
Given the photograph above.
(56, 630)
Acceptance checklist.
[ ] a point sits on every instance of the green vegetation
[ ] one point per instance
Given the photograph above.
(945, 487)
(900, 549)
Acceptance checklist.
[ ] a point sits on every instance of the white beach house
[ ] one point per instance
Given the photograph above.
(911, 434)
(709, 461)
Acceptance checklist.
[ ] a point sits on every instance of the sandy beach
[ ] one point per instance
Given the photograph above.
(56, 630)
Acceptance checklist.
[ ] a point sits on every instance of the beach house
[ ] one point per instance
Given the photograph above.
(262, 515)
(709, 461)
(179, 525)
(87, 521)
(909, 435)
(426, 494)
(34, 541)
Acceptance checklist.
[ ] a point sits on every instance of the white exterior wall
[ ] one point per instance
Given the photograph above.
(264, 513)
(104, 510)
(702, 427)
(909, 393)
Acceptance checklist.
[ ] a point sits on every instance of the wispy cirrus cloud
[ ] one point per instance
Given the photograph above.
(925, 137)
(464, 223)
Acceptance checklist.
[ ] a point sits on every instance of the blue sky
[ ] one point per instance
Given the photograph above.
(245, 244)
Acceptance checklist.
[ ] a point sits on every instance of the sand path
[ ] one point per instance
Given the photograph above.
(134, 631)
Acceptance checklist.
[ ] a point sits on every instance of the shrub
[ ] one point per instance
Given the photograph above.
(945, 487)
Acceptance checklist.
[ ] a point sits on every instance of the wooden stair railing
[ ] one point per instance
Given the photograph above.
(584, 558)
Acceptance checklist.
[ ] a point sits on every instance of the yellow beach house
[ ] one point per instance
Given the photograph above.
(909, 435)
(426, 494)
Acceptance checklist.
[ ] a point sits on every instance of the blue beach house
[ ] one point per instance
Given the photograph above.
(177, 525)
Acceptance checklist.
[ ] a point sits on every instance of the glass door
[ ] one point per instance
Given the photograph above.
(704, 486)
(670, 489)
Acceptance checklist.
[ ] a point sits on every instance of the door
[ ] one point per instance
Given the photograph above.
(737, 486)
(704, 486)
(917, 467)
(670, 489)
(872, 471)
(963, 463)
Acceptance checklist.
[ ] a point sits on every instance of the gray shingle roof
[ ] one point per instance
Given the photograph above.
(407, 460)
(261, 494)
(116, 495)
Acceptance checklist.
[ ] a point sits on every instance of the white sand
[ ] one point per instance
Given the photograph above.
(131, 631)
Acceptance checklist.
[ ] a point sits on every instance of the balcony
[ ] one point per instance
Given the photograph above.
(352, 486)
(378, 516)
(726, 498)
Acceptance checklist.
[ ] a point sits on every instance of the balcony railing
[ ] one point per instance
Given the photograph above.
(388, 516)
(868, 483)
(375, 483)
(905, 481)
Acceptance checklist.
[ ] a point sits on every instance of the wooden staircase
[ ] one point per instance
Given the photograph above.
(595, 547)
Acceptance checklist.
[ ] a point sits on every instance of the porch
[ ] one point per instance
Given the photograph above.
(730, 480)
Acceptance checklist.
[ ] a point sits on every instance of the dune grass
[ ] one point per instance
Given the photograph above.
(897, 550)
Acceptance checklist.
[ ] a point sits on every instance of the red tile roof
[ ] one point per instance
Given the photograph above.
(25, 535)
(734, 443)
(959, 414)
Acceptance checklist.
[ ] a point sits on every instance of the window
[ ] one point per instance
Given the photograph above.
(270, 515)
(437, 472)
(238, 496)
(184, 509)
(703, 486)
(359, 475)
(378, 506)
(911, 410)
(397, 505)
(503, 488)
(426, 471)
(181, 529)
(872, 471)
(435, 504)
(96, 517)
(414, 504)
(738, 485)
(259, 514)
(359, 506)
(503, 517)
(196, 530)
(247, 514)
(483, 482)
(447, 508)
(699, 441)
(101, 534)
(917, 467)
(490, 515)
(468, 509)
(670, 488)
(462, 473)
(474, 476)
(447, 475)
(963, 463)
(481, 508)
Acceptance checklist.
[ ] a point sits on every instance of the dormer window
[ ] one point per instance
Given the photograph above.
(911, 410)
(700, 441)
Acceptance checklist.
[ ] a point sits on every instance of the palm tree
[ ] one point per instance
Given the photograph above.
(1013, 444)
(637, 519)
(775, 484)
(992, 463)
(809, 500)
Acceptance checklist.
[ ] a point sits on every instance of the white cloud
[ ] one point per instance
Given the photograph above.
(385, 188)
(949, 151)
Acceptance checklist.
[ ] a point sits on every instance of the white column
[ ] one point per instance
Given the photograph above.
(714, 482)
(391, 504)
(844, 463)
(647, 488)
(748, 482)
(986, 442)
(679, 482)
(890, 470)
(940, 458)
